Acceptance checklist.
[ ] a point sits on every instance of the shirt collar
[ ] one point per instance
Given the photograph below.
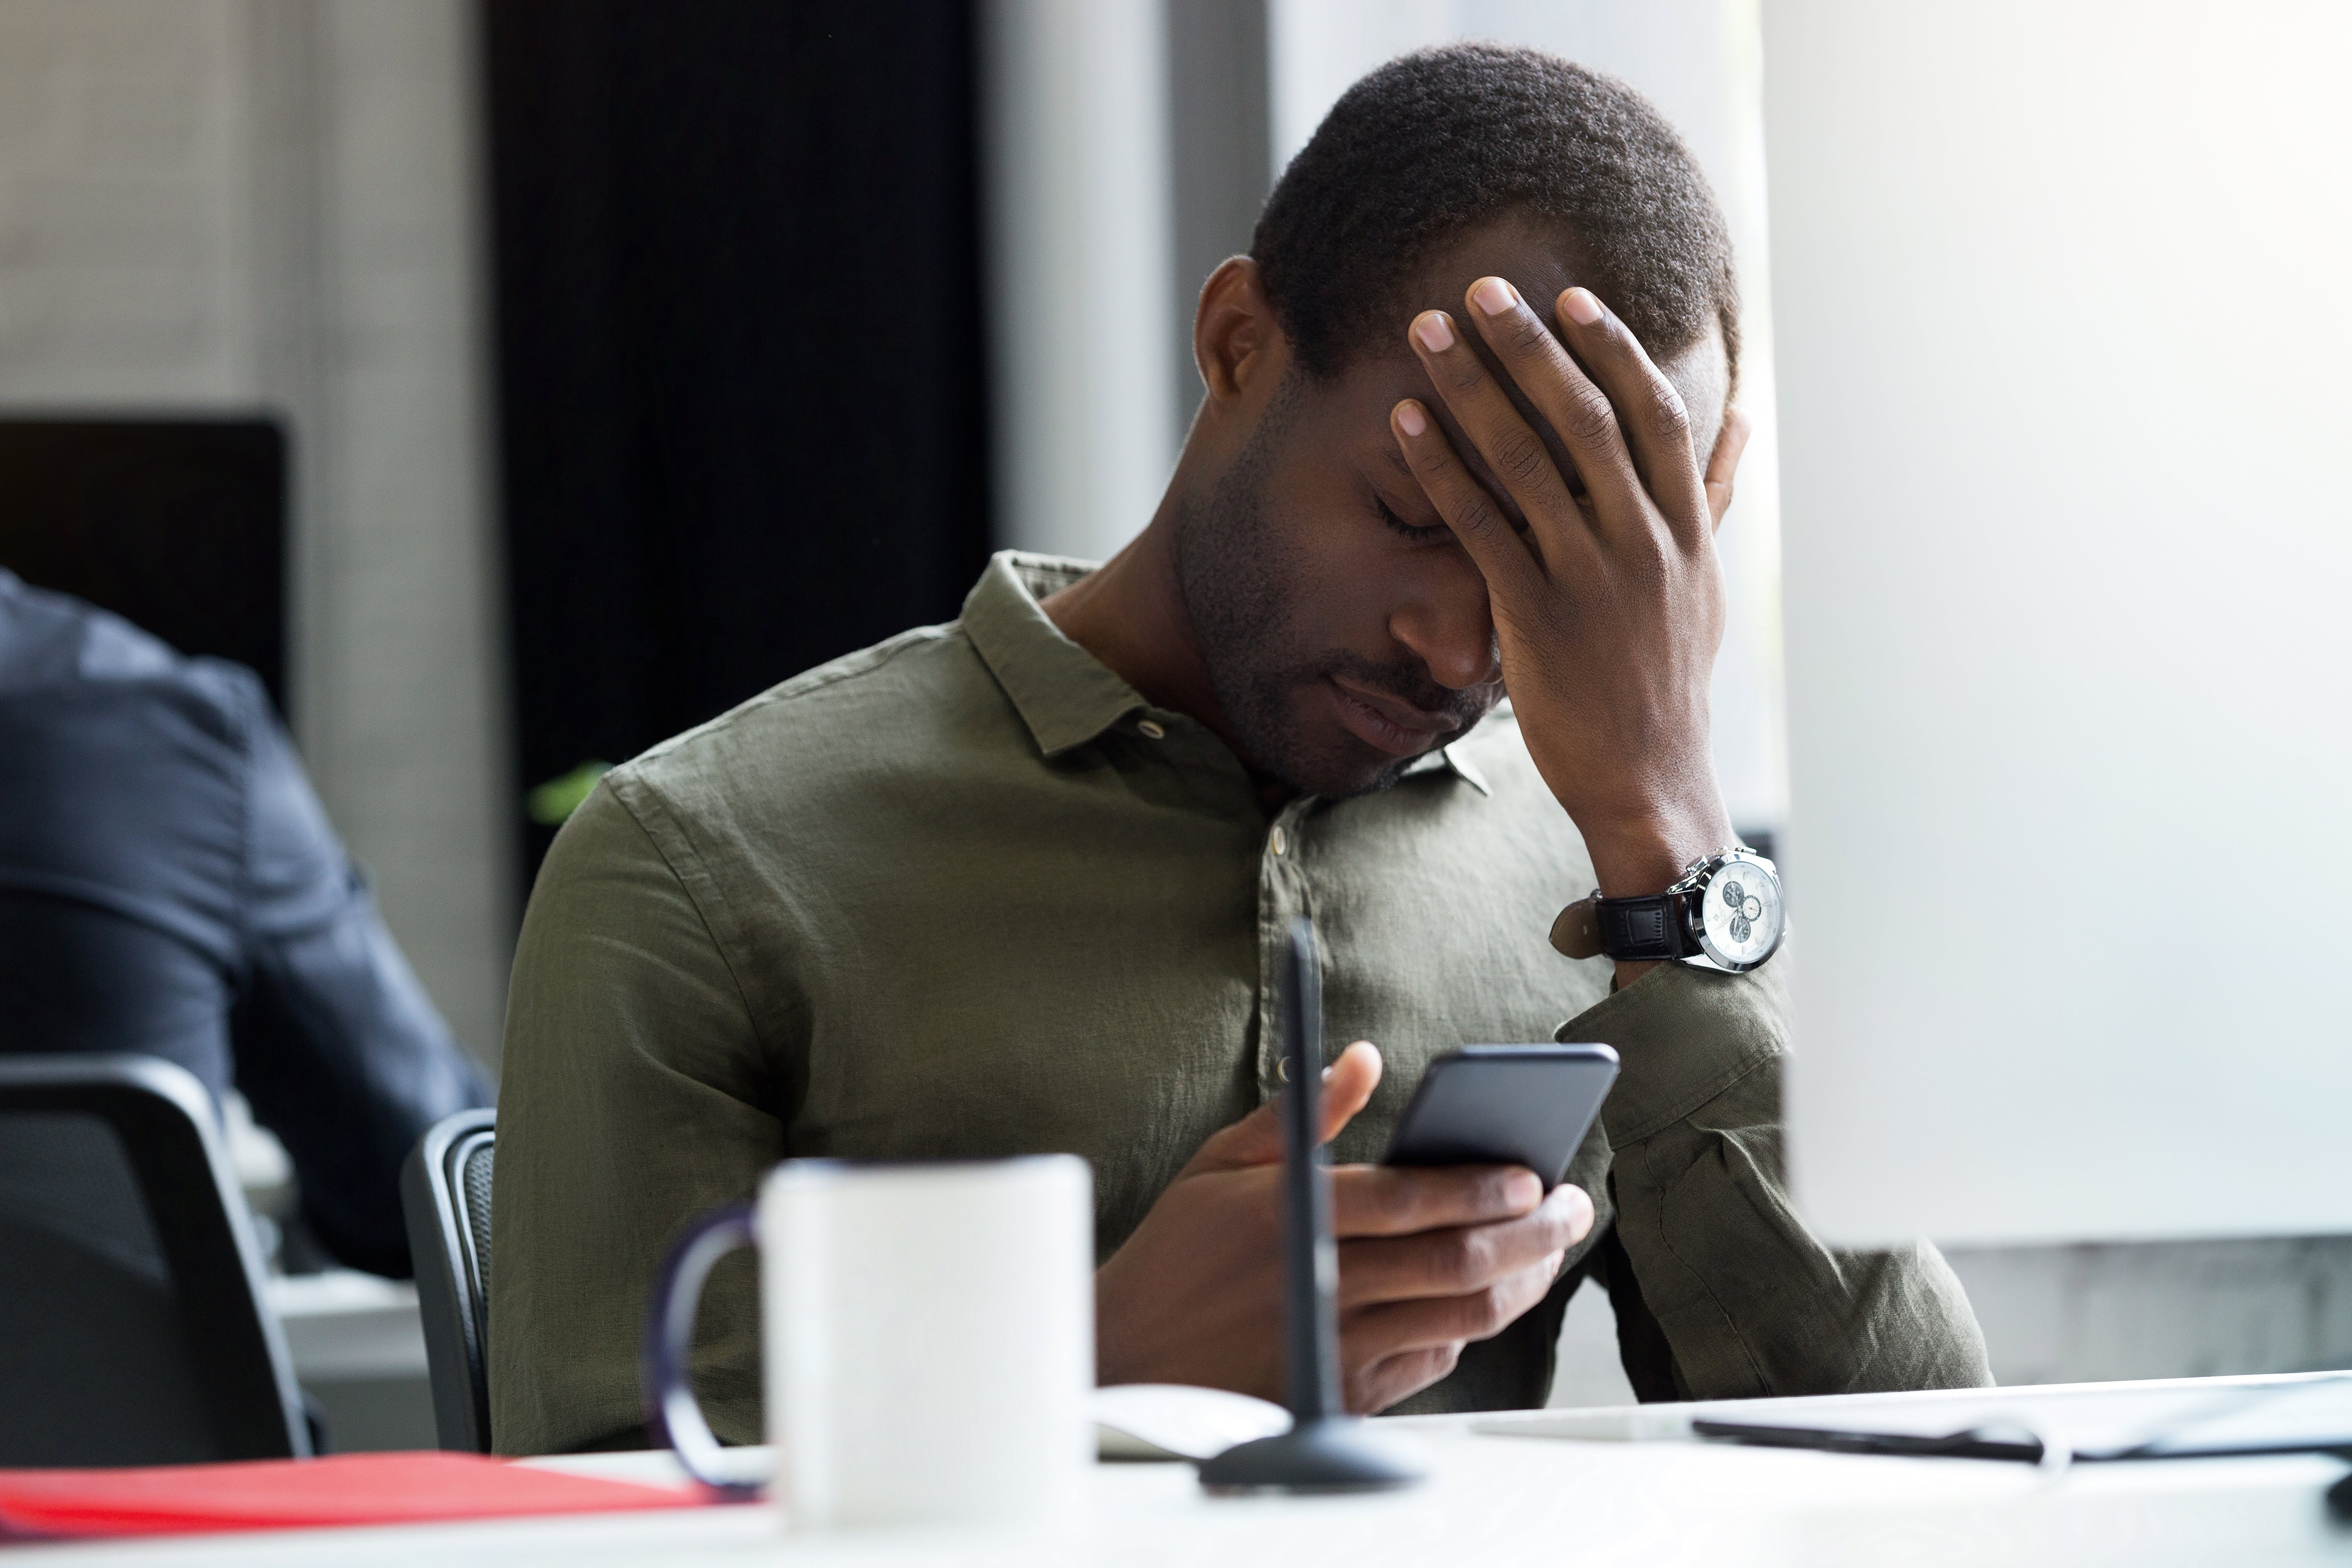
(1066, 695)
(1456, 758)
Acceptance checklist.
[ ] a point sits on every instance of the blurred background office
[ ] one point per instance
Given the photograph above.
(628, 357)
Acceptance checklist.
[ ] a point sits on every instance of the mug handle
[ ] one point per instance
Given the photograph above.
(672, 1416)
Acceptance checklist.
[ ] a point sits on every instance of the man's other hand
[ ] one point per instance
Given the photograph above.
(1429, 1261)
(1595, 529)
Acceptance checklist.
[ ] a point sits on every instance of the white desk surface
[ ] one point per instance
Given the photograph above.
(1493, 1500)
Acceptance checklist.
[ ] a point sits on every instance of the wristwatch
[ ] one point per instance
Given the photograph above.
(1725, 913)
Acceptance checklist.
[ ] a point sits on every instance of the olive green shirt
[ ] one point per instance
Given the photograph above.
(968, 894)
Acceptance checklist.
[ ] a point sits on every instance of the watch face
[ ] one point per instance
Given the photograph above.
(1740, 919)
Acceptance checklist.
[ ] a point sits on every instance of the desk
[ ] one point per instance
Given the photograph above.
(343, 1324)
(1494, 1501)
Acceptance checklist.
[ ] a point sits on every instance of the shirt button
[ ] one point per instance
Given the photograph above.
(1281, 841)
(1150, 730)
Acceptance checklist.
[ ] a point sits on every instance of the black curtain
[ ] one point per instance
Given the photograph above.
(176, 525)
(740, 350)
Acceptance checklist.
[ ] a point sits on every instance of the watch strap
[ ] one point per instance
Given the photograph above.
(1577, 930)
(1642, 928)
(1633, 930)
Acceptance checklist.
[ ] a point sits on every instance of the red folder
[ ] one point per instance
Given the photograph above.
(306, 1494)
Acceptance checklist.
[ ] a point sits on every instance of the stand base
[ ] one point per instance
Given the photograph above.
(1338, 1453)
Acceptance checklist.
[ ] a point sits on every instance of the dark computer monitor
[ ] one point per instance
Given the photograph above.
(178, 525)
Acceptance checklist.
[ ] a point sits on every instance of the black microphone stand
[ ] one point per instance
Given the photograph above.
(1325, 1449)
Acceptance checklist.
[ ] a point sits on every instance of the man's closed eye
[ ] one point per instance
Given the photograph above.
(1429, 533)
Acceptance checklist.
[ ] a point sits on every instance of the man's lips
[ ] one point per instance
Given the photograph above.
(1390, 724)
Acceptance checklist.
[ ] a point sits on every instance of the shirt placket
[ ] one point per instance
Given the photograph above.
(1283, 895)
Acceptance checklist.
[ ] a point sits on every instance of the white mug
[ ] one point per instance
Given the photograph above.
(928, 1335)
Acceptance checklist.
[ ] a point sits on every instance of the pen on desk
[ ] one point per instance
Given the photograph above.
(1995, 1440)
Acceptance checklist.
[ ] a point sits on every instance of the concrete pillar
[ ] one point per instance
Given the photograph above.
(1075, 182)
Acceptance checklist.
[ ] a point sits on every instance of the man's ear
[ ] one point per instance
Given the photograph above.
(1235, 341)
(1702, 374)
(1722, 463)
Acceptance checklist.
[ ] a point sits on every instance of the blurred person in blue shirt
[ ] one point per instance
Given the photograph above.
(170, 885)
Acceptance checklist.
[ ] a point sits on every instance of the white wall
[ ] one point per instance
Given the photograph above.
(2069, 554)
(272, 205)
(1700, 62)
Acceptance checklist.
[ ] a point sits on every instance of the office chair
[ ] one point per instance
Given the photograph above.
(445, 1193)
(133, 1326)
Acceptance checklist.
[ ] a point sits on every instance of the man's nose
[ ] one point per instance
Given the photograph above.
(1450, 625)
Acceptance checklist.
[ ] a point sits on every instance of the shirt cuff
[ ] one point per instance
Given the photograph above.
(1684, 1034)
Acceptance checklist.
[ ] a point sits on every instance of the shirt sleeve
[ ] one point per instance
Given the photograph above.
(636, 1095)
(1743, 1299)
(337, 1047)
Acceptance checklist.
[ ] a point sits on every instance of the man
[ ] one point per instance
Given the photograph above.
(169, 885)
(1020, 882)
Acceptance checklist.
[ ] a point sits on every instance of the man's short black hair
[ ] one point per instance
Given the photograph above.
(1439, 142)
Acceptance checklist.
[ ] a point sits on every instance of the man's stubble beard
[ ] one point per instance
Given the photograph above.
(1241, 585)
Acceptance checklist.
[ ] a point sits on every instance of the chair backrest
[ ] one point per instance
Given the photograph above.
(134, 1329)
(445, 1193)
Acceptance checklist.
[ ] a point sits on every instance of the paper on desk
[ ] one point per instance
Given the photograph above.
(1610, 1424)
(1176, 1421)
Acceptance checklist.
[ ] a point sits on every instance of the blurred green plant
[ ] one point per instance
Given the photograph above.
(551, 803)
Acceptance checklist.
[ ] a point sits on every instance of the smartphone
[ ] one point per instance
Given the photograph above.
(1505, 1105)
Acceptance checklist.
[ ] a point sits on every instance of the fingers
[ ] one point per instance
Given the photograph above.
(1723, 462)
(1461, 1259)
(1494, 545)
(1256, 1139)
(1393, 1349)
(1571, 402)
(1374, 1386)
(1399, 1200)
(1515, 453)
(1646, 410)
(1577, 408)
(1348, 1084)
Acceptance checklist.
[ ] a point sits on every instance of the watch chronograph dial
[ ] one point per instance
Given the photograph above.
(1741, 918)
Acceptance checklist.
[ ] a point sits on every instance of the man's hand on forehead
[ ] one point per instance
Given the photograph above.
(1607, 598)
(1696, 374)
